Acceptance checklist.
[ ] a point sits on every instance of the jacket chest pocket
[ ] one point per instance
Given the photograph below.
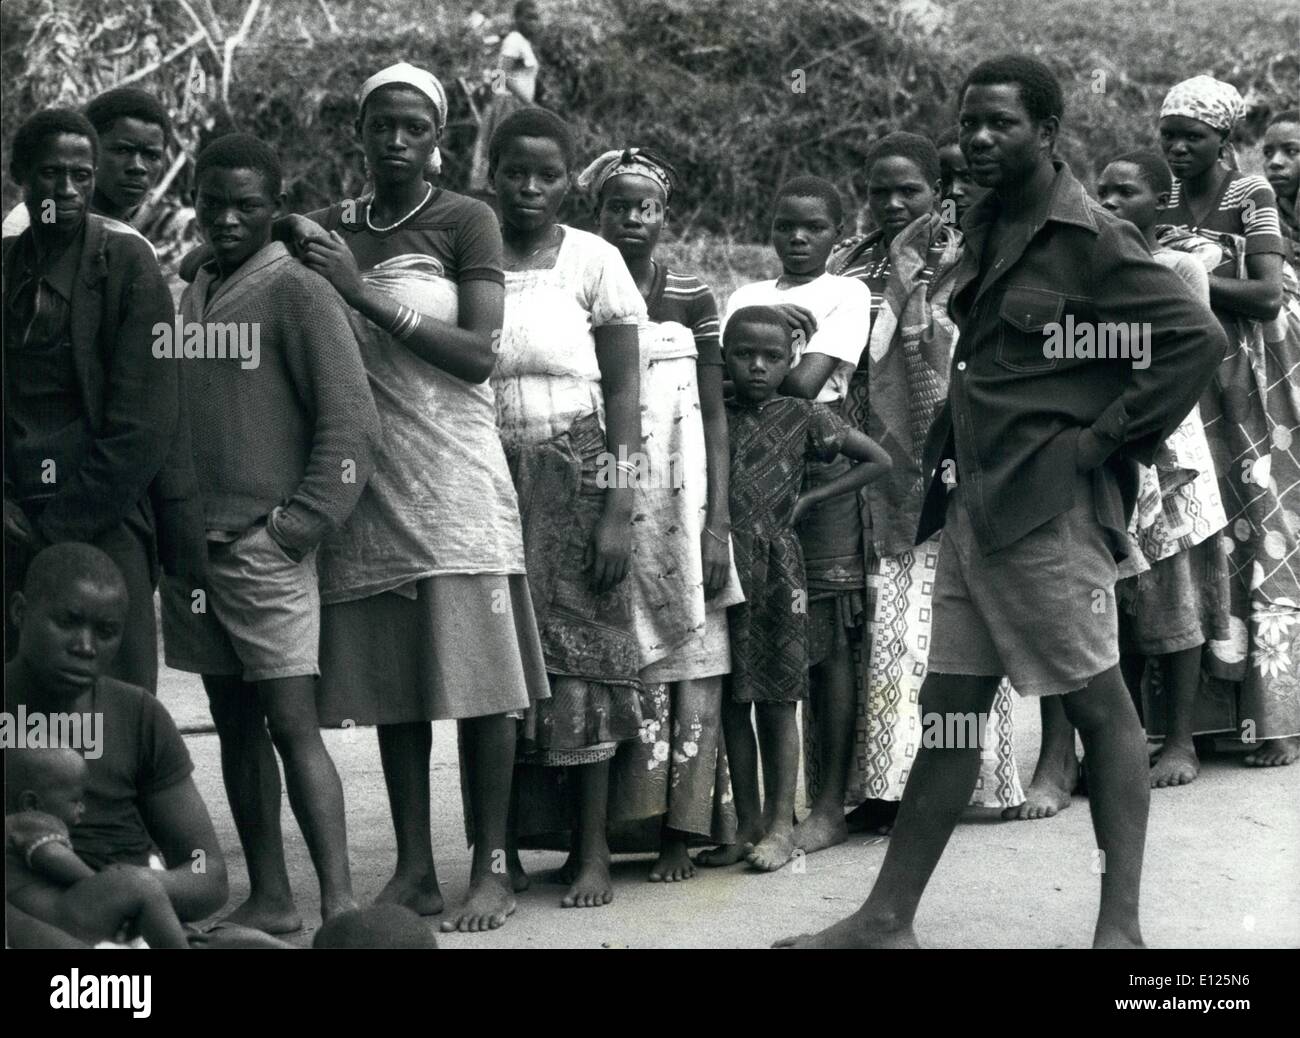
(1023, 316)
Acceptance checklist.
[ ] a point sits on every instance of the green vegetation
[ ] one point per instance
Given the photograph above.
(740, 93)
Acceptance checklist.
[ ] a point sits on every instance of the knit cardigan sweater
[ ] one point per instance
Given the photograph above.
(288, 421)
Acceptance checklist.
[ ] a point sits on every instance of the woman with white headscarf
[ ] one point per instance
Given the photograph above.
(426, 610)
(1251, 413)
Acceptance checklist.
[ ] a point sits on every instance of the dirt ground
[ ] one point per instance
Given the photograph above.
(1222, 864)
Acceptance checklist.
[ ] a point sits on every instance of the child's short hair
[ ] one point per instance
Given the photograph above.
(1040, 91)
(377, 926)
(911, 146)
(33, 770)
(241, 151)
(1152, 167)
(756, 317)
(38, 128)
(68, 562)
(813, 187)
(532, 122)
(128, 103)
(1291, 115)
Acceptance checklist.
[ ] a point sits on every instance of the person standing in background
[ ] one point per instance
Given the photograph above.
(514, 86)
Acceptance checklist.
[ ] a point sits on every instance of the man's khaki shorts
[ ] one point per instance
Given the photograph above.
(1041, 611)
(258, 617)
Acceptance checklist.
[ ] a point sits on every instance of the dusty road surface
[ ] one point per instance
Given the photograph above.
(1222, 865)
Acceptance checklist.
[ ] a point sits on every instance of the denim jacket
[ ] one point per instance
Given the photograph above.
(1072, 280)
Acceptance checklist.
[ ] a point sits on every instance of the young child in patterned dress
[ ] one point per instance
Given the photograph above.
(772, 440)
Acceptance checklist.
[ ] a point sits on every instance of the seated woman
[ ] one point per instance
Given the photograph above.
(140, 797)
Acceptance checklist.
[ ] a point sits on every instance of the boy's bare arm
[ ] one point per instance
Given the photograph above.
(805, 379)
(59, 863)
(872, 463)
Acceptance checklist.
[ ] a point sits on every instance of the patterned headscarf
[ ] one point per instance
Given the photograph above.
(426, 83)
(1207, 99)
(638, 161)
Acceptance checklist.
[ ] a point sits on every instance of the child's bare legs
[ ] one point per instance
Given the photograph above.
(1177, 763)
(1119, 797)
(1056, 776)
(312, 781)
(936, 794)
(97, 907)
(742, 756)
(778, 737)
(252, 779)
(489, 744)
(591, 887)
(404, 753)
(834, 703)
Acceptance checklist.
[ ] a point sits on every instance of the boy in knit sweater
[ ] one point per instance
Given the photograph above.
(284, 428)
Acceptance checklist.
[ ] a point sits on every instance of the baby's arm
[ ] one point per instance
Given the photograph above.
(56, 861)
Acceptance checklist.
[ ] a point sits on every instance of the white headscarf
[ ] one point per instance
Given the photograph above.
(419, 80)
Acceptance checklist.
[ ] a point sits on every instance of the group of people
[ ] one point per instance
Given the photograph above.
(407, 459)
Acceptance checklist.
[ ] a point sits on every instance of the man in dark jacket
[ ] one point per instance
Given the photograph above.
(92, 448)
(1078, 355)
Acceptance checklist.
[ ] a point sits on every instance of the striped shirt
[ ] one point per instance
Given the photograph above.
(873, 267)
(688, 301)
(1246, 206)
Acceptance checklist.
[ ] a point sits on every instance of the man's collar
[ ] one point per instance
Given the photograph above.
(1066, 202)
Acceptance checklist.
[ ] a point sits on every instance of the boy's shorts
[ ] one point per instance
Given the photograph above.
(261, 615)
(1041, 611)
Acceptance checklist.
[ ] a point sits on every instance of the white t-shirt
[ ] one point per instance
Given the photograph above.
(516, 51)
(842, 307)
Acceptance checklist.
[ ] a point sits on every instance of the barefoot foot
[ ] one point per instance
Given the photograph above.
(1177, 765)
(856, 931)
(820, 830)
(269, 917)
(419, 893)
(1049, 792)
(1274, 753)
(729, 853)
(488, 903)
(673, 864)
(773, 850)
(591, 887)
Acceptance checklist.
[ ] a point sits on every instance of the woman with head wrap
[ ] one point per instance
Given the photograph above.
(1251, 412)
(682, 580)
(893, 396)
(426, 580)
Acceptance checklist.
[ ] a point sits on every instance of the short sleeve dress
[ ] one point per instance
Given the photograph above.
(551, 417)
(771, 446)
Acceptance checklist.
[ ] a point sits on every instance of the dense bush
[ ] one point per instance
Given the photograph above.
(713, 83)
